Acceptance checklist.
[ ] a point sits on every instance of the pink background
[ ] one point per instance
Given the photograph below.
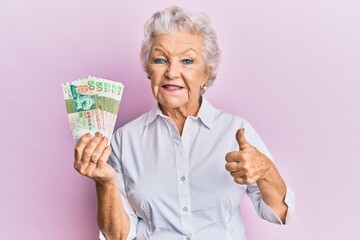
(292, 68)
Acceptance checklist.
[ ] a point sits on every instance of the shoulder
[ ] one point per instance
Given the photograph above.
(227, 125)
(229, 119)
(216, 118)
(135, 125)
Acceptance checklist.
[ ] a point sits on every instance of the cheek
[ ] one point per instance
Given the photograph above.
(198, 80)
(154, 85)
(156, 73)
(155, 82)
(154, 89)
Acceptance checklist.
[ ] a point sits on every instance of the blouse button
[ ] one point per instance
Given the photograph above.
(185, 209)
(182, 178)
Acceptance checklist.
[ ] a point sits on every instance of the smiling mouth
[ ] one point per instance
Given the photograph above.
(172, 87)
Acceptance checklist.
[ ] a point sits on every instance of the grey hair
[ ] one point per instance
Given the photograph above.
(175, 19)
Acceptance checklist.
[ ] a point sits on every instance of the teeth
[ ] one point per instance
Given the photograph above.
(171, 87)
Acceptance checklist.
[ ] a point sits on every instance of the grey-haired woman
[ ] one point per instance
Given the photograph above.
(180, 170)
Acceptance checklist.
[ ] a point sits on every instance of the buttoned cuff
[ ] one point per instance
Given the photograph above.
(271, 216)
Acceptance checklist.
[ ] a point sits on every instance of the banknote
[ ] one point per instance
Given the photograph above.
(92, 105)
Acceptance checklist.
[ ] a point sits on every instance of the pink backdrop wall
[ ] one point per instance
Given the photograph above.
(292, 68)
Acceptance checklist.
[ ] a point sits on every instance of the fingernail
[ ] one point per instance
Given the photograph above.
(98, 134)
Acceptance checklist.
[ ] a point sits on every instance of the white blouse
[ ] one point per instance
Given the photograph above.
(176, 187)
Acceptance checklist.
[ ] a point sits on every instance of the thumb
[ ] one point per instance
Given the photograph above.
(240, 138)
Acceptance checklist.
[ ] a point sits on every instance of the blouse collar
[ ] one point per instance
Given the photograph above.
(206, 114)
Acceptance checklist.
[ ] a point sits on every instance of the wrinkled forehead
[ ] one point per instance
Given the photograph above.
(177, 43)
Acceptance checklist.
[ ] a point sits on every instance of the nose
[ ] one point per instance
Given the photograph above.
(173, 70)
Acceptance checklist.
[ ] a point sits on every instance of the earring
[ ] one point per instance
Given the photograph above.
(203, 90)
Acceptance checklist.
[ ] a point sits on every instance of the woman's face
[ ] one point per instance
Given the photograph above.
(177, 70)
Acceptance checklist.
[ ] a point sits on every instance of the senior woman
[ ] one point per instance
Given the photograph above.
(180, 170)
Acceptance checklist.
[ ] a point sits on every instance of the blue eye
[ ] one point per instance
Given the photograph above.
(187, 61)
(160, 61)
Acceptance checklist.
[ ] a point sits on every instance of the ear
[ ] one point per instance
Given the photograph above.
(208, 73)
(148, 73)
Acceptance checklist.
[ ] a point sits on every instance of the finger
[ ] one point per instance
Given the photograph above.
(81, 145)
(99, 150)
(90, 148)
(233, 156)
(231, 167)
(244, 179)
(88, 169)
(240, 180)
(240, 138)
(104, 156)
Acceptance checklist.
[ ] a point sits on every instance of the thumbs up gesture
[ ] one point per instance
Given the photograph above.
(248, 165)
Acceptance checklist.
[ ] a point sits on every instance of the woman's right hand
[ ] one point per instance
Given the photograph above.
(91, 155)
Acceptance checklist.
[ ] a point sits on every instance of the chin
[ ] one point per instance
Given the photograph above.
(171, 103)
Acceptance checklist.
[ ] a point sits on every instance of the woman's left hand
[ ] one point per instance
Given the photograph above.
(248, 165)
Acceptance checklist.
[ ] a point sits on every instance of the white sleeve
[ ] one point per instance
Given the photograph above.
(262, 209)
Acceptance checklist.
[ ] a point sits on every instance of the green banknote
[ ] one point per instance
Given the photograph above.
(92, 105)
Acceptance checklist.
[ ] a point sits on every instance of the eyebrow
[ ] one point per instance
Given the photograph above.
(163, 50)
(160, 49)
(189, 50)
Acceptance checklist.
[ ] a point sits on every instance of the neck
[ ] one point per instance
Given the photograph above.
(179, 115)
